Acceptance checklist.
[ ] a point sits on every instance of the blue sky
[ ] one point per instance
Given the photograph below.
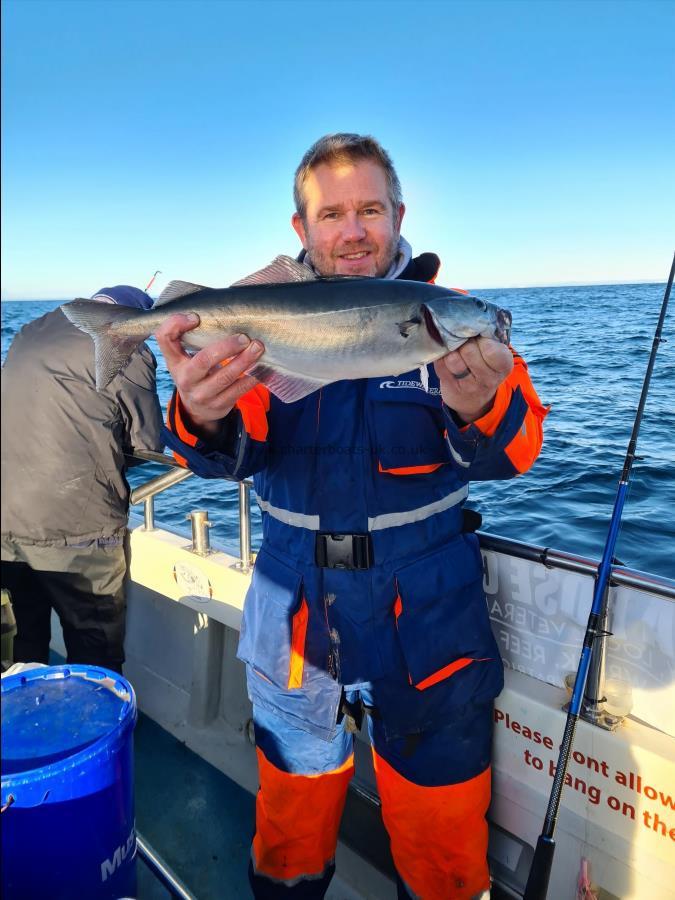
(535, 141)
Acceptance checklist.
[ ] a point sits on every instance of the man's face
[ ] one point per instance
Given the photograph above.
(350, 226)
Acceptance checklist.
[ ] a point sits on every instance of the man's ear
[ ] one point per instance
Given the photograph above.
(299, 228)
(399, 216)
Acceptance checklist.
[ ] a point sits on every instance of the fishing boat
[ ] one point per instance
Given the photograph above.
(196, 767)
(616, 830)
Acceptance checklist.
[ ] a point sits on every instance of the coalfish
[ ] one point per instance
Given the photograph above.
(315, 330)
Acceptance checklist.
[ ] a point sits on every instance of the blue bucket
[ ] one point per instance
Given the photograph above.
(67, 784)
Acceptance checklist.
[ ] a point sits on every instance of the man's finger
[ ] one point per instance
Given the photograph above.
(483, 356)
(456, 363)
(169, 336)
(219, 352)
(495, 355)
(240, 387)
(221, 355)
(220, 378)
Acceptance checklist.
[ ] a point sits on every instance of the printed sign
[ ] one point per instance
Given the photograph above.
(613, 782)
(539, 618)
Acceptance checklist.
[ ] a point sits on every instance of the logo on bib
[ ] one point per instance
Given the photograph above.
(410, 385)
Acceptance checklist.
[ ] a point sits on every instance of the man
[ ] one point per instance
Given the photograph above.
(65, 496)
(367, 591)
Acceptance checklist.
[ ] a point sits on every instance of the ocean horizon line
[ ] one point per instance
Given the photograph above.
(508, 287)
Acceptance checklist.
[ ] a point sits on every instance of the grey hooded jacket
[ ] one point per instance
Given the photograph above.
(63, 443)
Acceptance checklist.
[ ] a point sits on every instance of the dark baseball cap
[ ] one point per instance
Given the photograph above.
(124, 295)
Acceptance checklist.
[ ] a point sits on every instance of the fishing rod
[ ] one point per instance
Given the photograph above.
(149, 284)
(540, 871)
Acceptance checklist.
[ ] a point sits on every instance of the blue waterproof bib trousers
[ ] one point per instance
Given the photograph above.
(384, 460)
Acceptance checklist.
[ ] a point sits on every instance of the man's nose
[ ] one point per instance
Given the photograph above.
(353, 229)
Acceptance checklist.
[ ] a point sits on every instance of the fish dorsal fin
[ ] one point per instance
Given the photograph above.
(177, 289)
(281, 270)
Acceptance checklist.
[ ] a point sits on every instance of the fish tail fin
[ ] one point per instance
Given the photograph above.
(112, 350)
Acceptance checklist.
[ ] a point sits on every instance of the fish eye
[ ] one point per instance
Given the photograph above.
(482, 305)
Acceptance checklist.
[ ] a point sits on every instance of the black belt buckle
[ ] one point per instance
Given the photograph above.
(343, 551)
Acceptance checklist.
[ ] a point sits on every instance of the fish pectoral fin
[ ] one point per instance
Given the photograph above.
(177, 289)
(281, 270)
(284, 385)
(408, 327)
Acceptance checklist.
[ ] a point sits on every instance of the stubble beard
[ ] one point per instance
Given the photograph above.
(326, 264)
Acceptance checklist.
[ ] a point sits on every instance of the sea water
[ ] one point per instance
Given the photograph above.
(587, 348)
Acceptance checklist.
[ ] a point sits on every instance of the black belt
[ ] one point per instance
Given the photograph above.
(343, 551)
(355, 551)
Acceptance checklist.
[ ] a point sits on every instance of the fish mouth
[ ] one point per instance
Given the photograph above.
(432, 328)
(440, 333)
(503, 326)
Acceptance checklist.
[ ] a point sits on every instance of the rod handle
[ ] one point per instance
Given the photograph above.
(540, 871)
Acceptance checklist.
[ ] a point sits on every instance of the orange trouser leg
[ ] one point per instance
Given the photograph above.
(438, 835)
(297, 821)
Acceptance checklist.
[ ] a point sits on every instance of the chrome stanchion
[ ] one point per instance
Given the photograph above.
(245, 526)
(201, 544)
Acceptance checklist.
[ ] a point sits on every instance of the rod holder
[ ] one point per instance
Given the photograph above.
(592, 706)
(201, 544)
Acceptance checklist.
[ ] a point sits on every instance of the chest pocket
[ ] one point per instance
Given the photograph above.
(408, 425)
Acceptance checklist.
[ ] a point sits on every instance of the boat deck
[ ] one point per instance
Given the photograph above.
(197, 819)
(200, 822)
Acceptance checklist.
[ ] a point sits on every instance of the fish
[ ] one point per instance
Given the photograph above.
(315, 330)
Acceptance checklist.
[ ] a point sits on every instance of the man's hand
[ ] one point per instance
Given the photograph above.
(471, 375)
(208, 386)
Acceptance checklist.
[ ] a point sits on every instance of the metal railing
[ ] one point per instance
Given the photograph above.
(199, 519)
(552, 559)
(146, 492)
(569, 562)
(161, 870)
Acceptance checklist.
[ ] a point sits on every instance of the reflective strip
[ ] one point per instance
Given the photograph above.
(375, 523)
(457, 458)
(393, 520)
(300, 520)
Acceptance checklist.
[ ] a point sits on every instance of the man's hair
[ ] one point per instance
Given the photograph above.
(341, 148)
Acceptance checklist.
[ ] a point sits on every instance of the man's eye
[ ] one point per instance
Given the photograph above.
(371, 212)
